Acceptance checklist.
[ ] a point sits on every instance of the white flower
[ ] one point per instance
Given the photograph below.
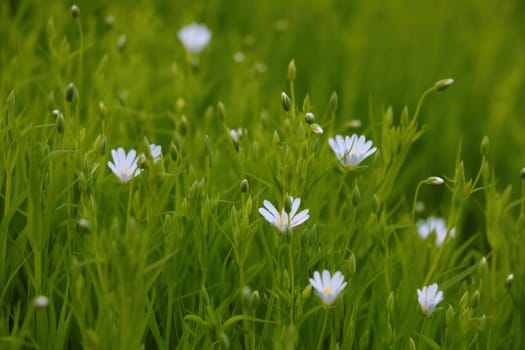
(437, 225)
(156, 152)
(328, 287)
(124, 166)
(351, 150)
(194, 37)
(283, 221)
(428, 298)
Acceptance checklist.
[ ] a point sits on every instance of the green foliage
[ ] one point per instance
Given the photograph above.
(179, 256)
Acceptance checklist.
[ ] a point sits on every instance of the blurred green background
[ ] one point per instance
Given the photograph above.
(373, 53)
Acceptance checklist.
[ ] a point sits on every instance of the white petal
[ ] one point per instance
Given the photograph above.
(271, 208)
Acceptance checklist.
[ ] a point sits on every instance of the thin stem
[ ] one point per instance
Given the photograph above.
(323, 328)
(414, 204)
(128, 212)
(420, 103)
(292, 277)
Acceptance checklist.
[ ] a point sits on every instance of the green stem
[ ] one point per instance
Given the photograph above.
(292, 276)
(420, 103)
(323, 328)
(128, 212)
(413, 215)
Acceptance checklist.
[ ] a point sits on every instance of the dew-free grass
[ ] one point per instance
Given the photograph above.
(170, 250)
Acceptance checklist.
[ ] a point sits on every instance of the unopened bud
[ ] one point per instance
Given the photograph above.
(276, 140)
(522, 173)
(449, 316)
(482, 322)
(390, 302)
(434, 180)
(75, 11)
(82, 182)
(183, 128)
(71, 92)
(443, 84)
(174, 152)
(255, 298)
(364, 341)
(245, 186)
(286, 102)
(485, 146)
(84, 226)
(316, 128)
(246, 296)
(309, 117)
(103, 145)
(307, 291)
(288, 205)
(102, 111)
(351, 264)
(475, 299)
(482, 267)
(509, 281)
(306, 103)
(334, 102)
(463, 301)
(356, 195)
(122, 41)
(60, 123)
(292, 72)
(411, 344)
(222, 111)
(40, 302)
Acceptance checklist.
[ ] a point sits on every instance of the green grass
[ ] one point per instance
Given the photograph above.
(180, 257)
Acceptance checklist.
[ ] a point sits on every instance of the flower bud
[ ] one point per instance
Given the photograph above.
(307, 291)
(434, 180)
(522, 173)
(225, 341)
(334, 101)
(364, 340)
(60, 123)
(276, 140)
(246, 296)
(390, 302)
(463, 301)
(173, 151)
(245, 186)
(316, 128)
(75, 11)
(351, 265)
(356, 196)
(82, 182)
(103, 145)
(288, 204)
(292, 72)
(509, 280)
(222, 111)
(286, 102)
(485, 146)
(40, 302)
(411, 344)
(306, 103)
(482, 322)
(309, 117)
(449, 316)
(71, 92)
(255, 298)
(102, 111)
(474, 300)
(122, 41)
(443, 84)
(183, 128)
(482, 267)
(84, 226)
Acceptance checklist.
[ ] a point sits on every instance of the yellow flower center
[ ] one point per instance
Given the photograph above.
(327, 291)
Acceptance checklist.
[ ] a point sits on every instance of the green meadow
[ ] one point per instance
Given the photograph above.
(262, 175)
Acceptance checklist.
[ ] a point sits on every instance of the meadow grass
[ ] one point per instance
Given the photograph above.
(174, 251)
